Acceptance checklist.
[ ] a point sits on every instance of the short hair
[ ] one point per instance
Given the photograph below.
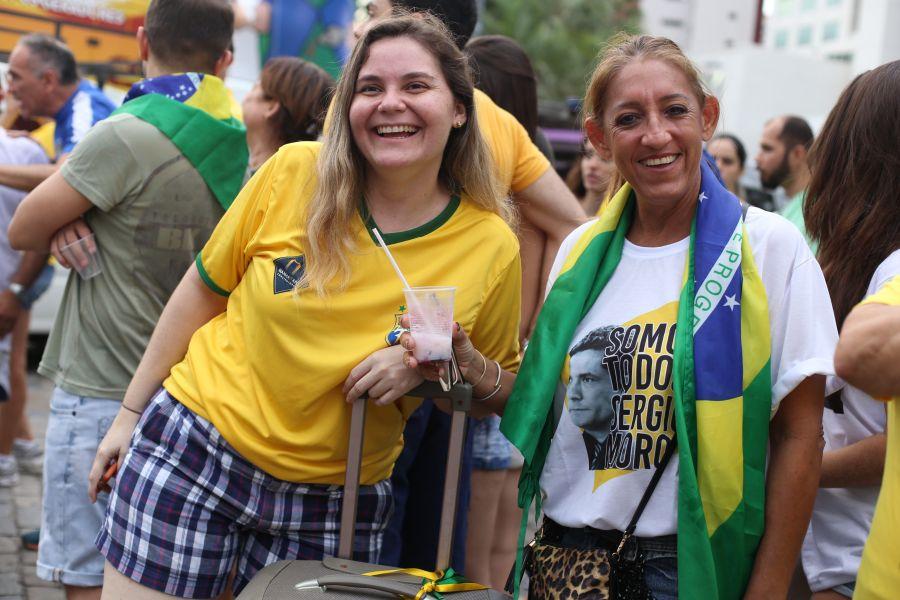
(503, 71)
(189, 35)
(796, 131)
(303, 90)
(459, 16)
(738, 146)
(597, 339)
(51, 53)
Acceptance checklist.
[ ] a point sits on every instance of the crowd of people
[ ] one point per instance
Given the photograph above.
(654, 357)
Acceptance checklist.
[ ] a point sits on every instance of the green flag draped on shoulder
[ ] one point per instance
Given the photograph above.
(722, 385)
(193, 110)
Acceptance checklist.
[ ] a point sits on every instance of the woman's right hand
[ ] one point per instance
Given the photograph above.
(112, 449)
(468, 359)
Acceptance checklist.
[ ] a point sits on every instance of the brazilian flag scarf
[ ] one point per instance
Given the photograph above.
(722, 385)
(193, 110)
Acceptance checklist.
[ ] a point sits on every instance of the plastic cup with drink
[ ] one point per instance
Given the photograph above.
(84, 256)
(430, 317)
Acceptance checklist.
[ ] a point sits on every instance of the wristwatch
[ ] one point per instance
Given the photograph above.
(18, 290)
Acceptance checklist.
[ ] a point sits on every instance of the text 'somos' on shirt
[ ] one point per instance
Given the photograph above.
(615, 406)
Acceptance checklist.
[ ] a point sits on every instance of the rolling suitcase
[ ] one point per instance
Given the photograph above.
(340, 577)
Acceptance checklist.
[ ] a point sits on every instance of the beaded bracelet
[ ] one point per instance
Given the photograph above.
(497, 385)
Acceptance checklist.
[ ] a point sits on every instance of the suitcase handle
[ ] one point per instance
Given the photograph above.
(347, 580)
(460, 396)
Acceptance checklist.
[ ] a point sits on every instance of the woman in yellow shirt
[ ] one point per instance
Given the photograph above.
(289, 312)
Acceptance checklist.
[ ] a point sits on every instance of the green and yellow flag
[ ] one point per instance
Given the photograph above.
(722, 385)
(194, 111)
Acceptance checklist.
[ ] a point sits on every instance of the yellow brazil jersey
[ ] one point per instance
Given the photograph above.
(268, 371)
(518, 162)
(43, 135)
(879, 572)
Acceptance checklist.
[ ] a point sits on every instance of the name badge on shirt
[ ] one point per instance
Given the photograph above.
(289, 271)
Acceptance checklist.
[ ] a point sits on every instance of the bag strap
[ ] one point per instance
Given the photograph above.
(657, 475)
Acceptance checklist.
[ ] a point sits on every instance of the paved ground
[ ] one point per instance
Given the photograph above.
(20, 511)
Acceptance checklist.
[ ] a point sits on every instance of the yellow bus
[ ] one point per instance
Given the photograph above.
(99, 32)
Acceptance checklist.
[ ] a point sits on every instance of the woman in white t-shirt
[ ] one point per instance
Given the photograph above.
(619, 364)
(853, 212)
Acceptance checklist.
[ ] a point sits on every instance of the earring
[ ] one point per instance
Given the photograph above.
(458, 124)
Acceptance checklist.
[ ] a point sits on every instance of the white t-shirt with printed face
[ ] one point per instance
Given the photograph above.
(841, 519)
(618, 414)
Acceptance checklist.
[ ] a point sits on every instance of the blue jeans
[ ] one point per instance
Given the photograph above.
(69, 522)
(660, 569)
(411, 537)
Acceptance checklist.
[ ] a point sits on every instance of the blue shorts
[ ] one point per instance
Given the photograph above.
(69, 522)
(491, 451)
(186, 506)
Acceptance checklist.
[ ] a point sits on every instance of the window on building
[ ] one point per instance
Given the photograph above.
(673, 22)
(784, 7)
(831, 31)
(781, 38)
(732, 15)
(808, 5)
(834, 2)
(804, 35)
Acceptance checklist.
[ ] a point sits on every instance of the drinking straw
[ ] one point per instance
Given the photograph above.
(445, 385)
(391, 258)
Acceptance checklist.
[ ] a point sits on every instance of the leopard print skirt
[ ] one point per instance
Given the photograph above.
(568, 574)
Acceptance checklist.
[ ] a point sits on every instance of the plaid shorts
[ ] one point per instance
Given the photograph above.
(186, 506)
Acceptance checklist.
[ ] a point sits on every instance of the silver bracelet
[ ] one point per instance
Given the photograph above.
(483, 370)
(497, 385)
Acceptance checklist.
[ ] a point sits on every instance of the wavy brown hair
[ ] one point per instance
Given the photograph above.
(332, 224)
(303, 91)
(853, 203)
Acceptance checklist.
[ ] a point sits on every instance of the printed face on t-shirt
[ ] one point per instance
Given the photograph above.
(589, 392)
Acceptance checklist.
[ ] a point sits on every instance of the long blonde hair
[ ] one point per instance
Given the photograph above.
(332, 225)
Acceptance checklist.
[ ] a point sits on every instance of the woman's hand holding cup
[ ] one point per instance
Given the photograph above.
(468, 358)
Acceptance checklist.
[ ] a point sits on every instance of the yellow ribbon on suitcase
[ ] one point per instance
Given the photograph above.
(439, 582)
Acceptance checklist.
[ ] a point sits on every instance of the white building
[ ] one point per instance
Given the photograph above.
(701, 25)
(754, 84)
(860, 32)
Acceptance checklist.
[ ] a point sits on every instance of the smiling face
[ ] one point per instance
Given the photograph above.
(653, 127)
(590, 392)
(725, 153)
(402, 110)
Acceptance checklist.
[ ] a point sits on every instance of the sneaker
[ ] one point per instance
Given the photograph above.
(9, 471)
(29, 455)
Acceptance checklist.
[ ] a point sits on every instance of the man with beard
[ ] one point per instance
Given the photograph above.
(590, 392)
(782, 161)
